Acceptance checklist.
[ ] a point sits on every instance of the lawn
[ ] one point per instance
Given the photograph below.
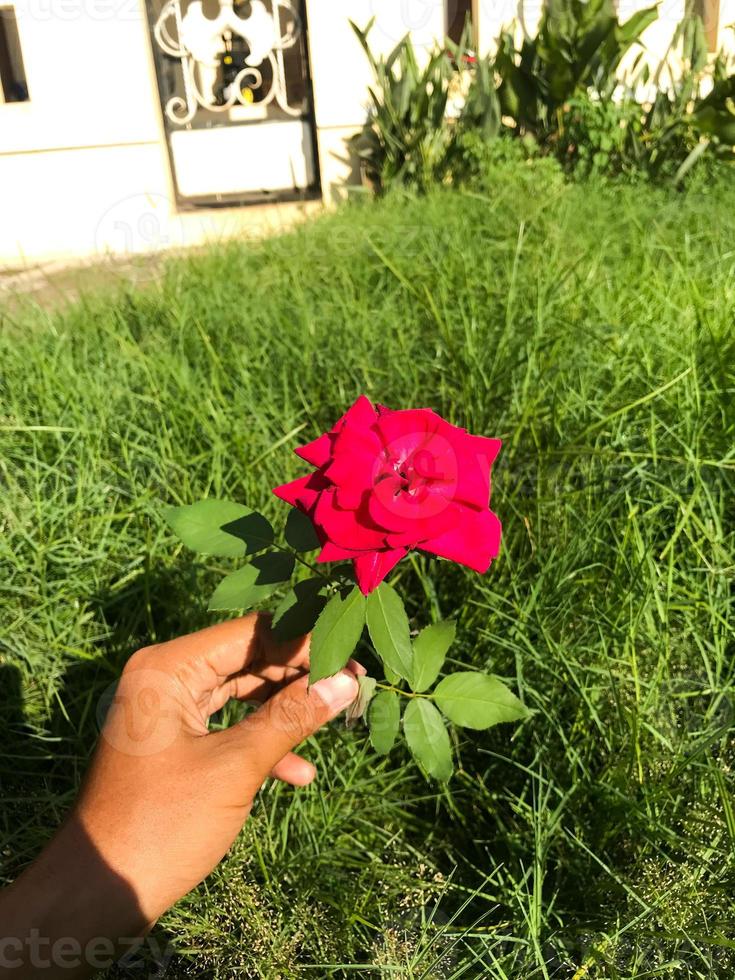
(592, 329)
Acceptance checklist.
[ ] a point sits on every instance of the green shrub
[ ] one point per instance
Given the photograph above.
(595, 136)
(486, 163)
(624, 139)
(558, 94)
(578, 47)
(562, 87)
(408, 139)
(682, 126)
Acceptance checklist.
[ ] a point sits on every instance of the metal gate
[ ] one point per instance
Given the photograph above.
(236, 98)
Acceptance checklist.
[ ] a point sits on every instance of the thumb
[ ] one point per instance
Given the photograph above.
(290, 716)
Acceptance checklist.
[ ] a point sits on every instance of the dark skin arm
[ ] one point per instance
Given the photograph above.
(164, 797)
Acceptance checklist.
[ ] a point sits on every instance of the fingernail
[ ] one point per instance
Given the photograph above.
(357, 668)
(338, 691)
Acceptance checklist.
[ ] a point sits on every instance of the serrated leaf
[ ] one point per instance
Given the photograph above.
(252, 583)
(429, 650)
(384, 718)
(428, 739)
(475, 700)
(358, 708)
(300, 532)
(389, 631)
(336, 634)
(253, 529)
(299, 609)
(218, 527)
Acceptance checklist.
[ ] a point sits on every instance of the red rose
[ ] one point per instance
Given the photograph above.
(388, 481)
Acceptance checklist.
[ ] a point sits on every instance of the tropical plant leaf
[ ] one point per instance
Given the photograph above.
(690, 161)
(475, 700)
(384, 718)
(630, 30)
(428, 738)
(336, 634)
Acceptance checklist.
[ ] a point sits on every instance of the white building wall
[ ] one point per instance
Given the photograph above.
(88, 143)
(726, 26)
(87, 66)
(341, 73)
(493, 16)
(84, 168)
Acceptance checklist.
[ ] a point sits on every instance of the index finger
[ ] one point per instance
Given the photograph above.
(228, 648)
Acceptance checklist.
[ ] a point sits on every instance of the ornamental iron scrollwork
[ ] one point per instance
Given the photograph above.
(206, 46)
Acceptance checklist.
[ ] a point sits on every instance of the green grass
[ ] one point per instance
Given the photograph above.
(590, 328)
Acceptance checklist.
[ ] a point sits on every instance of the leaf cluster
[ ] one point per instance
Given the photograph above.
(336, 613)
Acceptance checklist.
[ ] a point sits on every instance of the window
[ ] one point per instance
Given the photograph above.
(12, 73)
(459, 12)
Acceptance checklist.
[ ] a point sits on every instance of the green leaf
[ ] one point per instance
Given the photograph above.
(429, 650)
(428, 739)
(336, 634)
(254, 530)
(690, 160)
(300, 533)
(634, 26)
(391, 676)
(299, 609)
(220, 527)
(388, 625)
(476, 700)
(252, 583)
(366, 690)
(384, 719)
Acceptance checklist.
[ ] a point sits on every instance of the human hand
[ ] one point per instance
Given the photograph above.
(164, 797)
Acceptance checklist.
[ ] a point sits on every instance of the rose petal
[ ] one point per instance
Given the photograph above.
(475, 455)
(487, 447)
(357, 455)
(343, 528)
(405, 431)
(427, 528)
(318, 452)
(371, 568)
(332, 552)
(349, 498)
(361, 412)
(304, 492)
(391, 507)
(380, 504)
(474, 542)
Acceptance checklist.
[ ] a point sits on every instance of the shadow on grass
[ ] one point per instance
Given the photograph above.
(158, 605)
(44, 755)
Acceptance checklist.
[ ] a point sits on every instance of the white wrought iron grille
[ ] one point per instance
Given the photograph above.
(235, 62)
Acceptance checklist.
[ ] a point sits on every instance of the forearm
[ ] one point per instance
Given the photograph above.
(164, 797)
(69, 914)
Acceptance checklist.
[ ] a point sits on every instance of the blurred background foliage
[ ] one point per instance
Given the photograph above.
(578, 90)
